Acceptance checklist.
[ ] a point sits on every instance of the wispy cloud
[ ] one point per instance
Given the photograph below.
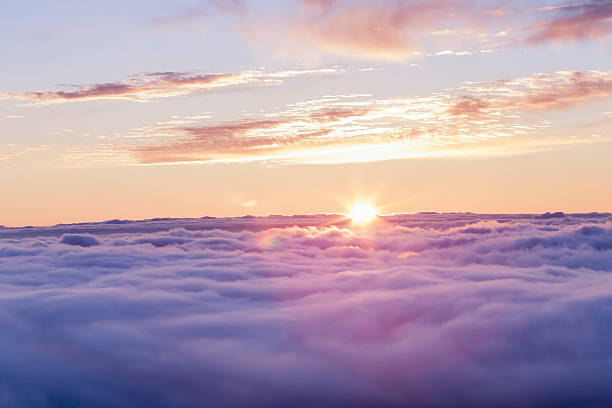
(576, 21)
(386, 29)
(477, 112)
(396, 30)
(560, 90)
(288, 130)
(148, 86)
(400, 29)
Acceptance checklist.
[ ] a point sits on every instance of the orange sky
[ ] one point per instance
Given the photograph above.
(225, 109)
(571, 181)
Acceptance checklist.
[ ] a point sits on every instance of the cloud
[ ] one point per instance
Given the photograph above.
(400, 29)
(423, 310)
(147, 86)
(245, 137)
(396, 30)
(385, 29)
(559, 90)
(578, 21)
(80, 240)
(473, 114)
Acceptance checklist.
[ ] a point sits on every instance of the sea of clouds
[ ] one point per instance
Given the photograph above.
(423, 310)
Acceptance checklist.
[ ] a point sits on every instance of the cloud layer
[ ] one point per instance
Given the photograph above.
(422, 310)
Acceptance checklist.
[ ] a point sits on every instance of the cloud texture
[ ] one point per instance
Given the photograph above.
(397, 30)
(145, 86)
(416, 310)
(382, 29)
(472, 115)
(575, 21)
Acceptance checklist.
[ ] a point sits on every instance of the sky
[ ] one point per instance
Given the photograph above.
(141, 109)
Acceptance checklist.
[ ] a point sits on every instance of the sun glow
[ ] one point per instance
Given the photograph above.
(362, 212)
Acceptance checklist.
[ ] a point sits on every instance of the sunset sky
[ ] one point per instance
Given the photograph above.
(306, 203)
(190, 108)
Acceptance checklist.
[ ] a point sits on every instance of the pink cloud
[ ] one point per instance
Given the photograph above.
(243, 138)
(471, 114)
(386, 29)
(153, 85)
(560, 90)
(398, 29)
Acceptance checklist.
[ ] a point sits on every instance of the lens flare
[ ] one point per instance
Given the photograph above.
(362, 212)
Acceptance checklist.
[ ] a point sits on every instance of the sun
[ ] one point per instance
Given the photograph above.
(362, 212)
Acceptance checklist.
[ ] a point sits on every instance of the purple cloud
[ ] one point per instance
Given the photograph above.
(432, 310)
(80, 240)
(576, 21)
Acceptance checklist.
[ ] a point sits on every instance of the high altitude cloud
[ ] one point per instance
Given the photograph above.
(386, 29)
(153, 85)
(471, 114)
(575, 21)
(559, 90)
(414, 310)
(399, 29)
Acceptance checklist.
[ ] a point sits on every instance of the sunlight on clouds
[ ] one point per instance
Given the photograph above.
(476, 118)
(148, 86)
(362, 212)
(473, 116)
(286, 306)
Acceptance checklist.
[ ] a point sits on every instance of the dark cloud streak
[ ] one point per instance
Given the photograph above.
(147, 86)
(588, 20)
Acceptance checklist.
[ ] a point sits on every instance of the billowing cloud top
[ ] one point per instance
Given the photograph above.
(432, 310)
